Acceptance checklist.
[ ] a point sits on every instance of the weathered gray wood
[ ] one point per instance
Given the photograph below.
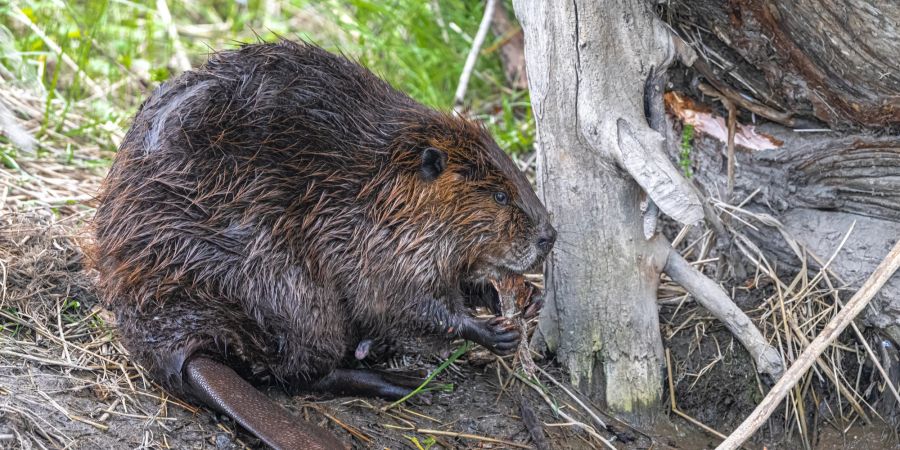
(587, 64)
(816, 188)
(595, 69)
(712, 297)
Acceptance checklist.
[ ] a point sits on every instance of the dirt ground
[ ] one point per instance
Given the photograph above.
(66, 381)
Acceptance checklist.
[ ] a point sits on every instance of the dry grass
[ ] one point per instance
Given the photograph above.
(62, 372)
(66, 381)
(792, 307)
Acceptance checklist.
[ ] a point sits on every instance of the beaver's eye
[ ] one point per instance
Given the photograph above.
(501, 197)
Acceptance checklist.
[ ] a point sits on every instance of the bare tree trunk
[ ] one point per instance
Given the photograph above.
(587, 65)
(596, 71)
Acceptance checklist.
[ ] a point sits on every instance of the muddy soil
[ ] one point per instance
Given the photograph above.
(717, 384)
(44, 407)
(66, 382)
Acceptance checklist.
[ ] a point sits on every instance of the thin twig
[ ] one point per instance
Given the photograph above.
(596, 418)
(473, 55)
(674, 406)
(841, 320)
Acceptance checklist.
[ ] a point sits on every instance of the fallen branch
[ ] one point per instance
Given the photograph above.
(711, 296)
(879, 277)
(473, 54)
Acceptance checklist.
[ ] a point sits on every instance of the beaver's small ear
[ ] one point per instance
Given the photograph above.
(434, 162)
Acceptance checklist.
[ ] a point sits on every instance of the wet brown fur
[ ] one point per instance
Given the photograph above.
(270, 209)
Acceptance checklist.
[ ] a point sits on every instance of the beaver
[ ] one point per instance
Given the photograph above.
(272, 210)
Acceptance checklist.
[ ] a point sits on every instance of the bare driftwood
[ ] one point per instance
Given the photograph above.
(811, 353)
(711, 296)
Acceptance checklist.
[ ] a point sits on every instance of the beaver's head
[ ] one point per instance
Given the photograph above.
(482, 207)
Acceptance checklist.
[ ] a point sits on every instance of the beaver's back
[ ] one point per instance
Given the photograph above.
(224, 171)
(256, 138)
(270, 206)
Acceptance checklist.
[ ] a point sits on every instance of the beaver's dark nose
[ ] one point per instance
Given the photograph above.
(546, 238)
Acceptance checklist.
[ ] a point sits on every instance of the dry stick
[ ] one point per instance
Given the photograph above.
(358, 434)
(572, 421)
(838, 323)
(764, 265)
(862, 340)
(732, 129)
(71, 416)
(711, 296)
(44, 361)
(784, 118)
(823, 273)
(596, 418)
(587, 428)
(473, 54)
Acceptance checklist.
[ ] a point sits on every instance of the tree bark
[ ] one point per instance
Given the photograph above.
(587, 65)
(836, 60)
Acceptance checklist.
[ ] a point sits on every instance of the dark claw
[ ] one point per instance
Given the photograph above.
(502, 335)
(537, 302)
(407, 379)
(423, 398)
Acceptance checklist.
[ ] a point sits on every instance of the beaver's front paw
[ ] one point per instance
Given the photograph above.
(499, 335)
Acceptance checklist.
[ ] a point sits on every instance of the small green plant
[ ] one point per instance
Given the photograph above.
(96, 60)
(7, 158)
(426, 444)
(10, 321)
(687, 145)
(69, 310)
(453, 357)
